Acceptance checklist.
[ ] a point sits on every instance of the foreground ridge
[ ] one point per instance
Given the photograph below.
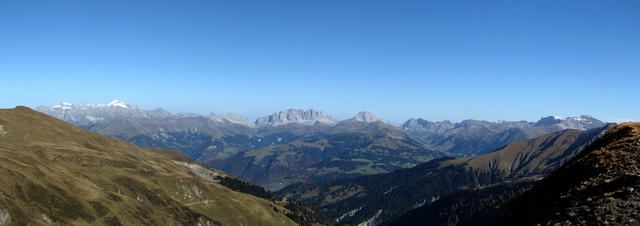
(52, 172)
(599, 186)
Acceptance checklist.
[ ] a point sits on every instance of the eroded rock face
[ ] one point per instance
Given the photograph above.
(365, 116)
(205, 173)
(3, 132)
(299, 116)
(5, 218)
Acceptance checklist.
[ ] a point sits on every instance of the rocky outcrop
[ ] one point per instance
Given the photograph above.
(299, 116)
(366, 116)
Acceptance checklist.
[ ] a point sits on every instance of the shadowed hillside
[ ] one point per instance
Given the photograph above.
(599, 186)
(380, 198)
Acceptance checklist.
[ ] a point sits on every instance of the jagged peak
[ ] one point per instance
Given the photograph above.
(366, 116)
(299, 116)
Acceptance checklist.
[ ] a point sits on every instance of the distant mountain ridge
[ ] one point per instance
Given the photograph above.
(475, 137)
(274, 149)
(85, 114)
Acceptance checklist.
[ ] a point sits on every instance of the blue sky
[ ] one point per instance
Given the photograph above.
(491, 60)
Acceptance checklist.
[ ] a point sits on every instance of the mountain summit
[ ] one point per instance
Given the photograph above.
(366, 116)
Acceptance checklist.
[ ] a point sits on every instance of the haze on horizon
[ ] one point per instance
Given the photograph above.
(434, 60)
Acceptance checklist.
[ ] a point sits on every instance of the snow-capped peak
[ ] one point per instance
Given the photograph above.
(582, 122)
(63, 106)
(117, 103)
(88, 114)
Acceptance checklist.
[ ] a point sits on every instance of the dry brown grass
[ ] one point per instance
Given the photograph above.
(51, 170)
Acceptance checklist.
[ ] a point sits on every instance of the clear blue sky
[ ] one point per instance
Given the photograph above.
(487, 60)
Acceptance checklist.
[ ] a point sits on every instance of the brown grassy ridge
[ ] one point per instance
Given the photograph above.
(599, 186)
(54, 172)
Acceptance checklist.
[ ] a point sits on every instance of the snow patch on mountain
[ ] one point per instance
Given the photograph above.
(63, 106)
(117, 103)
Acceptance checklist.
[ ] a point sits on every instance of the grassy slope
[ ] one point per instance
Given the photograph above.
(53, 171)
(599, 186)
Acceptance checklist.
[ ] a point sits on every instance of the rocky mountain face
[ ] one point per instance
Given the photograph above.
(383, 197)
(54, 173)
(297, 116)
(473, 137)
(600, 186)
(365, 116)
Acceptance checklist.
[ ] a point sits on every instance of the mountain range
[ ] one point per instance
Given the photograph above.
(304, 146)
(475, 137)
(361, 170)
(87, 114)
